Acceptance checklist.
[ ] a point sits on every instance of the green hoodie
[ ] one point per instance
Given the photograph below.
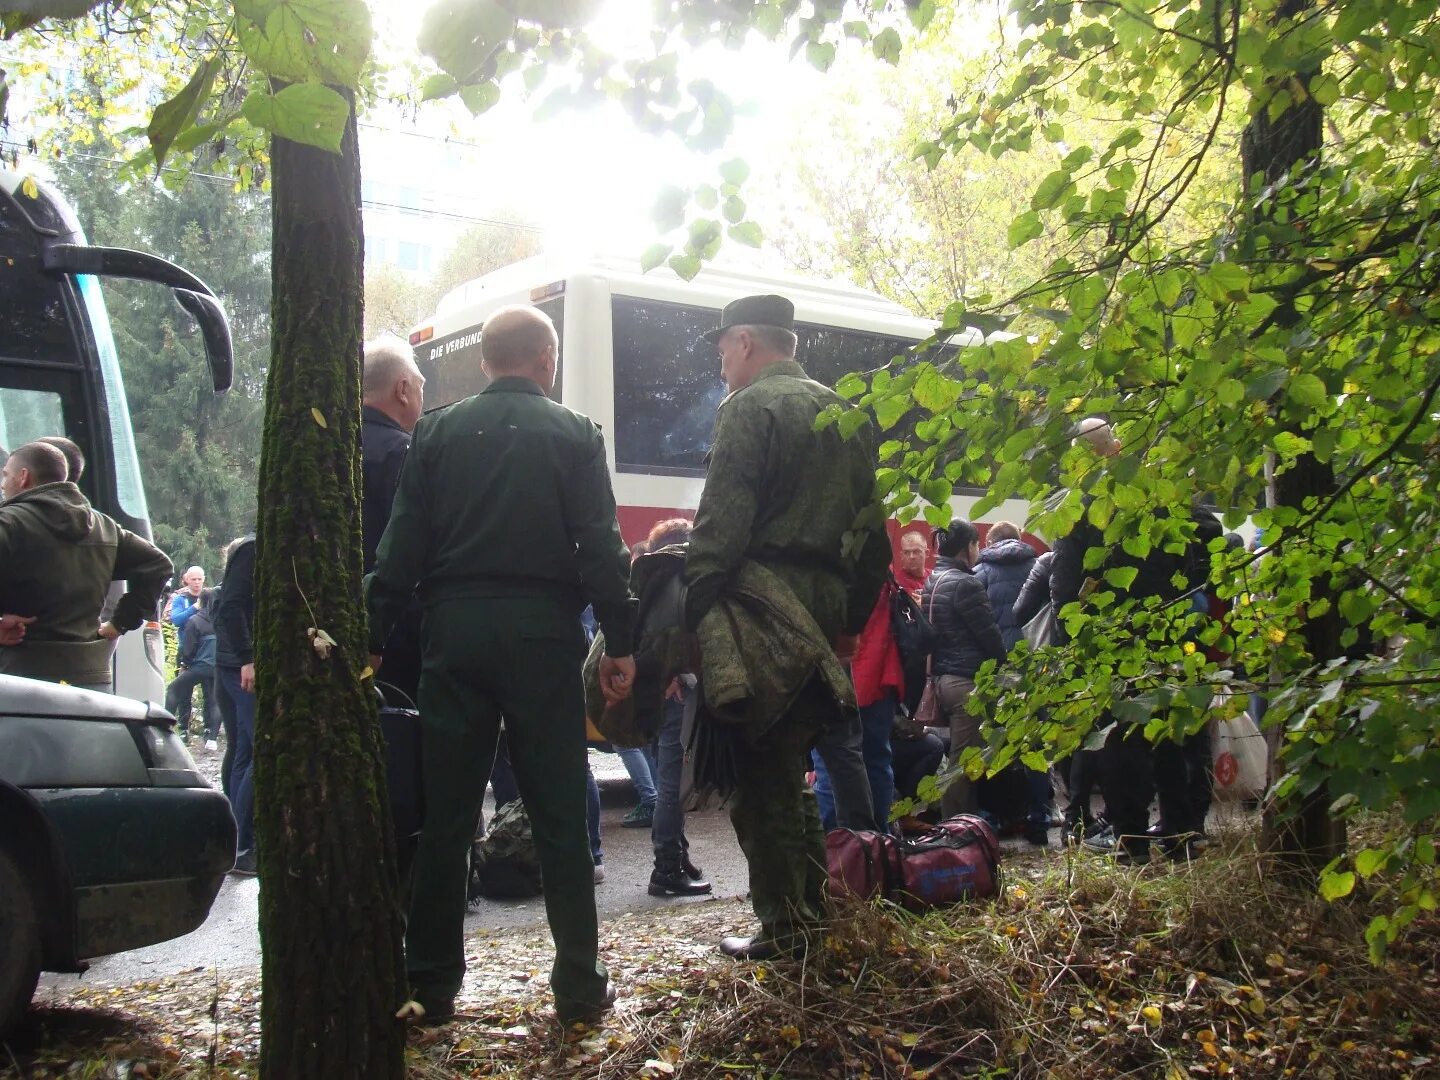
(58, 557)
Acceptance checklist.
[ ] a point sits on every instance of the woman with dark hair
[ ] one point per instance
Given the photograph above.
(674, 873)
(966, 635)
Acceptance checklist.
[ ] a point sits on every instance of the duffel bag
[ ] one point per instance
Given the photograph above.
(959, 859)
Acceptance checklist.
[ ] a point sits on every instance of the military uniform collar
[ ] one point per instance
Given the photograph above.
(369, 414)
(791, 368)
(514, 384)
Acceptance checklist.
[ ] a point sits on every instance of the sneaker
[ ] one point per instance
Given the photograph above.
(639, 818)
(212, 745)
(1103, 842)
(245, 864)
(599, 872)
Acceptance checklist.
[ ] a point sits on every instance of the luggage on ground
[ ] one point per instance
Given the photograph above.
(504, 864)
(955, 860)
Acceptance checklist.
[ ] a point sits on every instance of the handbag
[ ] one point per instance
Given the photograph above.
(1041, 630)
(928, 713)
(959, 859)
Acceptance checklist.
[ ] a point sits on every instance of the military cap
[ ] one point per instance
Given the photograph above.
(766, 310)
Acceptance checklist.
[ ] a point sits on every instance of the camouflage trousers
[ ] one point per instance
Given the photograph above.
(777, 821)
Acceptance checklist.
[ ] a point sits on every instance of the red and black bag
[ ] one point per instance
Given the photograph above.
(959, 859)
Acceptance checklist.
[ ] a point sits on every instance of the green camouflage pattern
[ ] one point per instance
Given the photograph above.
(784, 495)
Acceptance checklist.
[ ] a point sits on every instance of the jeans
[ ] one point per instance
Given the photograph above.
(839, 750)
(227, 720)
(876, 721)
(667, 829)
(242, 770)
(638, 764)
(182, 688)
(592, 815)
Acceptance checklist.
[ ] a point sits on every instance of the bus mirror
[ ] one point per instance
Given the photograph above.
(216, 332)
(193, 294)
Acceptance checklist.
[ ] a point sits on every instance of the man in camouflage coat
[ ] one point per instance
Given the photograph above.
(786, 496)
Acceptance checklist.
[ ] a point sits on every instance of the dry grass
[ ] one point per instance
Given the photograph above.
(1080, 970)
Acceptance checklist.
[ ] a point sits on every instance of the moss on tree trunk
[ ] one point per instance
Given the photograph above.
(330, 925)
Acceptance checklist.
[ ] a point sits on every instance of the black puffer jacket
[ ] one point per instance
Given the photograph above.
(1003, 569)
(1155, 571)
(1035, 593)
(966, 634)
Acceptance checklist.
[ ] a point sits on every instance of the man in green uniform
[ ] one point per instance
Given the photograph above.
(786, 496)
(504, 522)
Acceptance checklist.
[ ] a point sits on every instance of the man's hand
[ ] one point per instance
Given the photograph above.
(108, 631)
(247, 678)
(375, 661)
(675, 691)
(617, 678)
(845, 646)
(12, 628)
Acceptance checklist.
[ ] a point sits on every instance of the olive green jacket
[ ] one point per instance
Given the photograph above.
(504, 494)
(58, 557)
(786, 496)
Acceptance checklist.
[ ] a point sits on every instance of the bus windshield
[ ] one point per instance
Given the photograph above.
(129, 488)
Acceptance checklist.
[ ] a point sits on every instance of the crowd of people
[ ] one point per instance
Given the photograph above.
(493, 556)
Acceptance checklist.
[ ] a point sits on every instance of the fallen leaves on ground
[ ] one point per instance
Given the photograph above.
(1080, 970)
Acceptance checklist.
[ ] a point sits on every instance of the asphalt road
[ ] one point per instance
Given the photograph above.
(229, 938)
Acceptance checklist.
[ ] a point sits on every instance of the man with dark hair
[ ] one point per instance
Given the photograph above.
(780, 504)
(58, 557)
(505, 521)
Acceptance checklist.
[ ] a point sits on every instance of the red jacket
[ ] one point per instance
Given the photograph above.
(876, 664)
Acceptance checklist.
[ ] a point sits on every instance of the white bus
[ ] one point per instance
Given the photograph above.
(60, 373)
(631, 359)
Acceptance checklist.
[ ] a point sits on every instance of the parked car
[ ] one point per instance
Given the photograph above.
(110, 838)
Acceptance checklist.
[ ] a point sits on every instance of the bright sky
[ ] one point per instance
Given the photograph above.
(590, 178)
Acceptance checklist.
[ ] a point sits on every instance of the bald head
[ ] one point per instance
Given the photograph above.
(520, 340)
(1098, 435)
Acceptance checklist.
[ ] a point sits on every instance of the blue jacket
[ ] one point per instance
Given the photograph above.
(197, 640)
(182, 606)
(1003, 569)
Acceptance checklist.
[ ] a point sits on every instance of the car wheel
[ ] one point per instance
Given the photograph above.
(19, 944)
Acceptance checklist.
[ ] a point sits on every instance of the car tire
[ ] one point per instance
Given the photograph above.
(19, 944)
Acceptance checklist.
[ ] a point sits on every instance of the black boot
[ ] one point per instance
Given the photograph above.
(693, 872)
(669, 878)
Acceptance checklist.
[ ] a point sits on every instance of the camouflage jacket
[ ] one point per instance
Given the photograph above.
(787, 496)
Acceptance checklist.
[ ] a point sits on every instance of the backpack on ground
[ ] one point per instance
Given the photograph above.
(959, 859)
(504, 864)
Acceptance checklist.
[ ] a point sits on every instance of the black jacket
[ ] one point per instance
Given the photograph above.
(383, 446)
(1035, 593)
(1003, 569)
(235, 609)
(966, 634)
(1155, 571)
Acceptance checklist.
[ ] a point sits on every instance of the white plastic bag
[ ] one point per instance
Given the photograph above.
(1240, 757)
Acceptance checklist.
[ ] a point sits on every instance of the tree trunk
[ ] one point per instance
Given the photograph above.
(1306, 837)
(330, 924)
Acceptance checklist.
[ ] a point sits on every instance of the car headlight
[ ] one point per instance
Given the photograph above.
(169, 763)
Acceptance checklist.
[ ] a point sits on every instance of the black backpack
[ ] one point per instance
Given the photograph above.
(914, 639)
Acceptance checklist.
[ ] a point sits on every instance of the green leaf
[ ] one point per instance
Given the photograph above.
(479, 97)
(1262, 387)
(1051, 190)
(654, 255)
(937, 491)
(851, 421)
(734, 209)
(439, 85)
(1335, 885)
(306, 113)
(174, 116)
(889, 410)
(820, 55)
(747, 233)
(299, 40)
(935, 392)
(1307, 390)
(1369, 861)
(1122, 577)
(735, 171)
(1225, 281)
(886, 45)
(687, 266)
(1024, 228)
